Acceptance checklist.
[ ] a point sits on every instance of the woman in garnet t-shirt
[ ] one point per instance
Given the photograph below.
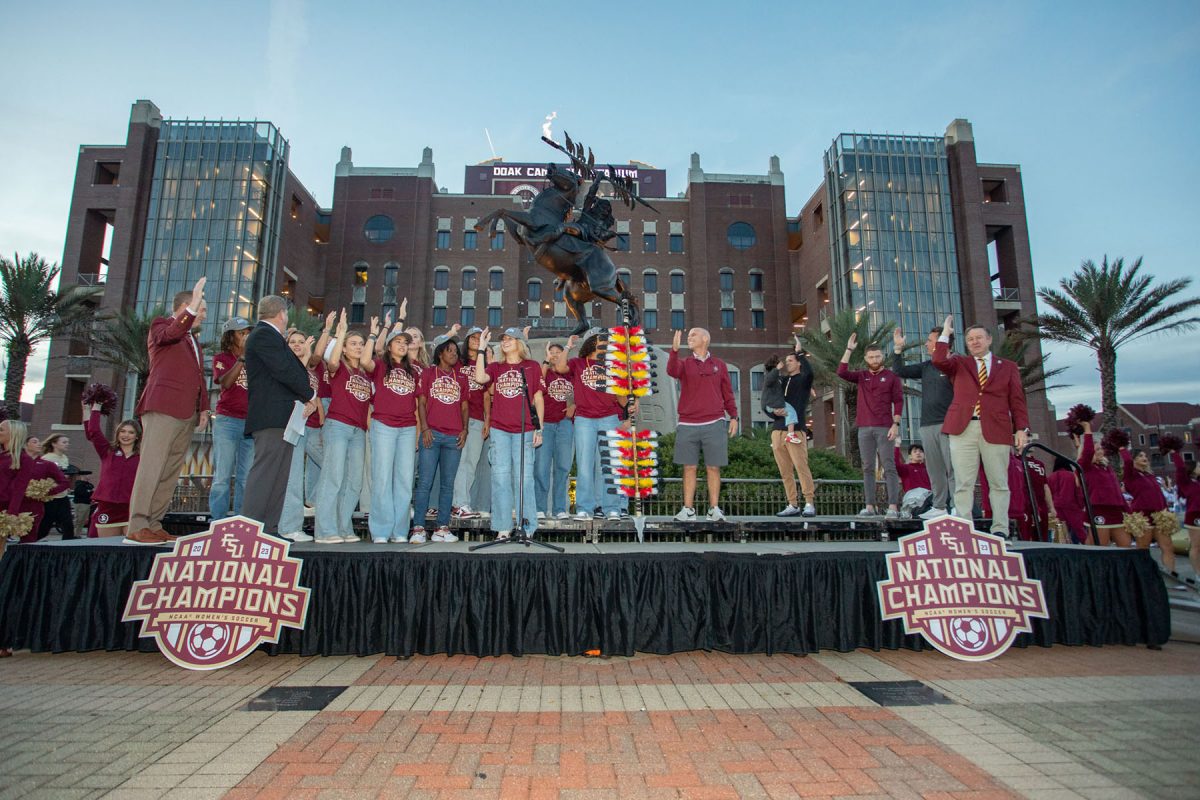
(306, 455)
(344, 437)
(232, 450)
(515, 382)
(552, 465)
(395, 420)
(443, 404)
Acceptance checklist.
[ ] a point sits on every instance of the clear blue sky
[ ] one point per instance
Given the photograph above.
(1098, 102)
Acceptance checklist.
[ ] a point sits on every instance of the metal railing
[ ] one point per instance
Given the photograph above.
(1007, 295)
(91, 279)
(1032, 497)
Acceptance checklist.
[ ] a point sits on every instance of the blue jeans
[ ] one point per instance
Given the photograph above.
(233, 452)
(393, 462)
(341, 479)
(300, 476)
(558, 448)
(590, 485)
(442, 457)
(504, 454)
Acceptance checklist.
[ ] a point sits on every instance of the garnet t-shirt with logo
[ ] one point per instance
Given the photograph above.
(317, 380)
(350, 393)
(587, 380)
(396, 390)
(509, 406)
(557, 396)
(444, 393)
(232, 401)
(475, 398)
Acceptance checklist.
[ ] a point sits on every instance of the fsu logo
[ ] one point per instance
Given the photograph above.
(400, 381)
(560, 390)
(593, 377)
(960, 589)
(445, 389)
(313, 381)
(509, 383)
(358, 387)
(468, 372)
(220, 593)
(241, 379)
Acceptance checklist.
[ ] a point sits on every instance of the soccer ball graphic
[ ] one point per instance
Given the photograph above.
(970, 633)
(207, 640)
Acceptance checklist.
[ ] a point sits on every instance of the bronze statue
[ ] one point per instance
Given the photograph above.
(574, 248)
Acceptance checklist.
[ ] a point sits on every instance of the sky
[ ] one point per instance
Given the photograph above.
(1099, 102)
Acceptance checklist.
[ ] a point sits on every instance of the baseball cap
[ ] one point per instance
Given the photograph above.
(391, 336)
(515, 333)
(441, 340)
(236, 324)
(472, 331)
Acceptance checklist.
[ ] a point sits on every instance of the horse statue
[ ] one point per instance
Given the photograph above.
(574, 248)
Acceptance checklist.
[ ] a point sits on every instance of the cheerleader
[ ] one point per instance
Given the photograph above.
(118, 467)
(1068, 500)
(1109, 506)
(16, 472)
(1187, 477)
(59, 510)
(1147, 501)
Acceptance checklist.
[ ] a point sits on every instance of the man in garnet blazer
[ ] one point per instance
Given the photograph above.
(173, 405)
(987, 411)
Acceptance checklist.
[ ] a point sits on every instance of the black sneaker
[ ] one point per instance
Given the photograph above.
(598, 513)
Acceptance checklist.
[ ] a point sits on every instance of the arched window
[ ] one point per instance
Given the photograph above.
(379, 228)
(468, 279)
(677, 284)
(441, 278)
(756, 280)
(534, 287)
(650, 281)
(741, 236)
(496, 278)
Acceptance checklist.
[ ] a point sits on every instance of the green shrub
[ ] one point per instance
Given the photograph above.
(750, 457)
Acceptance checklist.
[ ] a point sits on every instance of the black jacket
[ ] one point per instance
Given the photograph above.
(275, 379)
(772, 396)
(797, 389)
(937, 390)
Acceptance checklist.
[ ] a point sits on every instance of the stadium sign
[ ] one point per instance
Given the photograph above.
(219, 594)
(960, 589)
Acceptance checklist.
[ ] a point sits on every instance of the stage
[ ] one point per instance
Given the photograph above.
(792, 597)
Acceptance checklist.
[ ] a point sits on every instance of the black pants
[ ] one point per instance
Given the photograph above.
(266, 485)
(60, 513)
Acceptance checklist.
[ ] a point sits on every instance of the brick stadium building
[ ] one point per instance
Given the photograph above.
(182, 198)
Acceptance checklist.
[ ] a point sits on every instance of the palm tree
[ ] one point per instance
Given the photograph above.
(119, 340)
(1104, 308)
(303, 321)
(1014, 345)
(32, 311)
(824, 354)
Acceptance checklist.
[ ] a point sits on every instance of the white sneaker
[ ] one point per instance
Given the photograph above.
(715, 515)
(443, 534)
(788, 511)
(417, 536)
(502, 535)
(351, 539)
(892, 514)
(809, 510)
(541, 515)
(398, 538)
(583, 516)
(464, 512)
(686, 515)
(562, 515)
(933, 512)
(379, 541)
(612, 515)
(298, 536)
(866, 512)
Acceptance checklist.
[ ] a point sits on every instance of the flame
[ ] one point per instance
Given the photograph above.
(553, 115)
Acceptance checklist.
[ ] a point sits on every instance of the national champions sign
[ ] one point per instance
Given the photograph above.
(219, 594)
(961, 589)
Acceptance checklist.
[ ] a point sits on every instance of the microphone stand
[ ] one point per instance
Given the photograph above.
(521, 534)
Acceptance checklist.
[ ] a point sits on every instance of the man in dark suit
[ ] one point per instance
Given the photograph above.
(275, 380)
(988, 409)
(173, 405)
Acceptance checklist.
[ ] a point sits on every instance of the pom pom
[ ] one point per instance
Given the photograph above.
(1169, 442)
(1165, 522)
(1081, 413)
(1136, 524)
(41, 489)
(1114, 440)
(15, 526)
(104, 395)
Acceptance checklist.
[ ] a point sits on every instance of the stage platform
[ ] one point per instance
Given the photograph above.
(620, 598)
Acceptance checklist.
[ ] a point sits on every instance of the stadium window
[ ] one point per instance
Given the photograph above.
(677, 285)
(622, 242)
(470, 240)
(650, 320)
(756, 281)
(495, 279)
(649, 243)
(467, 317)
(468, 279)
(727, 318)
(675, 243)
(439, 317)
(650, 281)
(741, 236)
(758, 319)
(443, 240)
(441, 278)
(677, 320)
(726, 280)
(534, 291)
(494, 317)
(498, 241)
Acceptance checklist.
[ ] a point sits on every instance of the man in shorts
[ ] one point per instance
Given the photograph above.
(707, 418)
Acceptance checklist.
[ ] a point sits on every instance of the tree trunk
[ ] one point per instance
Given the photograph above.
(14, 378)
(1106, 356)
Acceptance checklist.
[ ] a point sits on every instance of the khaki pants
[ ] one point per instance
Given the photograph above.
(165, 441)
(792, 460)
(967, 450)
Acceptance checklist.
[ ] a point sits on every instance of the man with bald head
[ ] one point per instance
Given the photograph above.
(707, 418)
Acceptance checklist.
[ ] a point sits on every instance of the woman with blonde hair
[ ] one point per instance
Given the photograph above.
(17, 469)
(1147, 502)
(59, 510)
(119, 461)
(516, 383)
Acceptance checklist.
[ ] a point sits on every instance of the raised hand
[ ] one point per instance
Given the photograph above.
(525, 332)
(675, 340)
(374, 326)
(572, 341)
(198, 292)
(387, 321)
(308, 346)
(403, 309)
(948, 325)
(898, 339)
(342, 326)
(852, 342)
(329, 320)
(485, 337)
(454, 329)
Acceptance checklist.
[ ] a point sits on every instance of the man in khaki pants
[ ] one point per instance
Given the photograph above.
(791, 384)
(173, 405)
(988, 409)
